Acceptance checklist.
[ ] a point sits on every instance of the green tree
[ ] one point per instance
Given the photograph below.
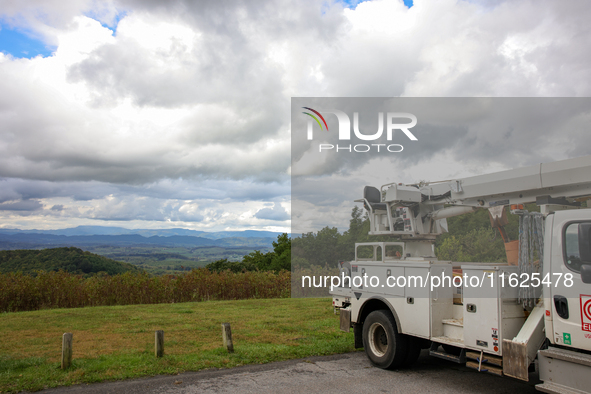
(259, 260)
(450, 249)
(282, 253)
(478, 245)
(277, 260)
(234, 266)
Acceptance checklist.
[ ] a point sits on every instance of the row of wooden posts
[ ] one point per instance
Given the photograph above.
(68, 338)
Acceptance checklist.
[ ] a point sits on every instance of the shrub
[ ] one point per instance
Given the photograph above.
(19, 292)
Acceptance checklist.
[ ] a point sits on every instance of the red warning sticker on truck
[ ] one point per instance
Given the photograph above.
(586, 312)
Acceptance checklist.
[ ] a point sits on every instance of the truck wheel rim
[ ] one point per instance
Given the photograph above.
(378, 339)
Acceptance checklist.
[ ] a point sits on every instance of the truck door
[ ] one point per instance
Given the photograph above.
(570, 269)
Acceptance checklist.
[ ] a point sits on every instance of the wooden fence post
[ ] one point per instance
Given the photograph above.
(67, 339)
(159, 343)
(227, 337)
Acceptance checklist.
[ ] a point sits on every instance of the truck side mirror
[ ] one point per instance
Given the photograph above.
(585, 242)
(586, 273)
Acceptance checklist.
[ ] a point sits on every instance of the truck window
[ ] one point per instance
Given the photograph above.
(571, 247)
(393, 252)
(366, 252)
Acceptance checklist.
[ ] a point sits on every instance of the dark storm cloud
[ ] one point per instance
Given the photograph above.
(12, 189)
(24, 205)
(166, 189)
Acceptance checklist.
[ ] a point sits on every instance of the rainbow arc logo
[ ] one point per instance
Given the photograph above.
(315, 118)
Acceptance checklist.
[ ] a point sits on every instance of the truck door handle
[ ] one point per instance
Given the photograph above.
(561, 304)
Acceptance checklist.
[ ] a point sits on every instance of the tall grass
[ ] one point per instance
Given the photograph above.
(47, 290)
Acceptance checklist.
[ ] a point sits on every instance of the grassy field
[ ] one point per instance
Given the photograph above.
(118, 342)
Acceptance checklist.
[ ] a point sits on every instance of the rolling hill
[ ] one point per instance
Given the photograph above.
(71, 259)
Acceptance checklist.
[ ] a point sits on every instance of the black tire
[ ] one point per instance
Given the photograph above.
(384, 347)
(414, 351)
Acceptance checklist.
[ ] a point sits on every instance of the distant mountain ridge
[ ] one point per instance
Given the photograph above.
(105, 230)
(93, 236)
(32, 240)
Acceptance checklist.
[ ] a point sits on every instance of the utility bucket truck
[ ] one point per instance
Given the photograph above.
(494, 317)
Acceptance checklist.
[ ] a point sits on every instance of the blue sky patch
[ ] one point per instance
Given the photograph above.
(353, 3)
(112, 26)
(21, 44)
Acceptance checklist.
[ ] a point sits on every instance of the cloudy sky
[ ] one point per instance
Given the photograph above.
(153, 114)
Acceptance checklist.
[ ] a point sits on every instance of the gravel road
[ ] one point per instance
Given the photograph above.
(338, 374)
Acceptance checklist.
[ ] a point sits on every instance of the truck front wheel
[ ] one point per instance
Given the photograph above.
(384, 347)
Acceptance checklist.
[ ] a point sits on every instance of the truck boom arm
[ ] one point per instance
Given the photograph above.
(419, 210)
(562, 179)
